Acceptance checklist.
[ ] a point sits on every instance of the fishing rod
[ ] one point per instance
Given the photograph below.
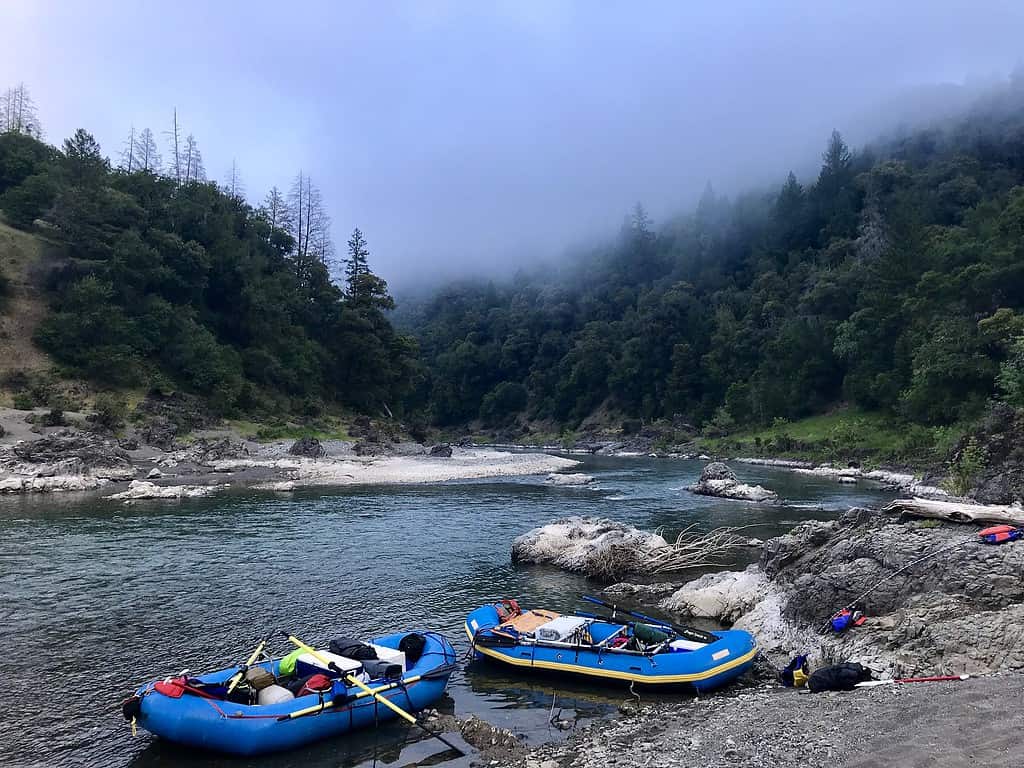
(689, 633)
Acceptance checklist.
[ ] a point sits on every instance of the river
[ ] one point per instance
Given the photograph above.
(97, 597)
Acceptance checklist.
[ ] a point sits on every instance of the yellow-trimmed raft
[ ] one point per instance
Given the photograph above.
(593, 647)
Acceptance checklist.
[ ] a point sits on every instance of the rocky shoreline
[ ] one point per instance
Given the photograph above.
(67, 459)
(949, 725)
(937, 600)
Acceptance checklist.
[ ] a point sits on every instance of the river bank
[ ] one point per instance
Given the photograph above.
(937, 600)
(67, 458)
(949, 725)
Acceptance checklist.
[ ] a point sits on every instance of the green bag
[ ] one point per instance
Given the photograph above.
(648, 634)
(287, 666)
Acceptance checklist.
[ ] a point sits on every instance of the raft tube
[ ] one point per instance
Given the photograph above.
(703, 668)
(239, 729)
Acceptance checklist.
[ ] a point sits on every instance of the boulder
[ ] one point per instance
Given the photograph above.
(594, 546)
(717, 479)
(444, 450)
(309, 447)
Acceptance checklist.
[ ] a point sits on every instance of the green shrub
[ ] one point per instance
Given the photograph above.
(24, 401)
(109, 413)
(966, 467)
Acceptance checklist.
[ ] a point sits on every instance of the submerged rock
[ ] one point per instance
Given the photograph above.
(595, 546)
(717, 479)
(570, 478)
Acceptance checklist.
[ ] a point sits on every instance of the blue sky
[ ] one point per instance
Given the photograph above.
(465, 136)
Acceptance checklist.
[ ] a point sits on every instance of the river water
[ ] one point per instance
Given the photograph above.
(97, 597)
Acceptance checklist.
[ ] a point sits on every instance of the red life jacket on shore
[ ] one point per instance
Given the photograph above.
(997, 534)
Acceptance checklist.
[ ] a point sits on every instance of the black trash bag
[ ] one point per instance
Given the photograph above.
(838, 677)
(352, 649)
(412, 646)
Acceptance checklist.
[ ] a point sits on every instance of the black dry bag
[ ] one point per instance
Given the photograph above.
(839, 677)
(412, 646)
(352, 649)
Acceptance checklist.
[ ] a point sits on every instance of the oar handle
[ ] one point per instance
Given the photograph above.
(370, 692)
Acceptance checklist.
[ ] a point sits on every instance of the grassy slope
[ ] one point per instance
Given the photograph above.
(20, 252)
(843, 434)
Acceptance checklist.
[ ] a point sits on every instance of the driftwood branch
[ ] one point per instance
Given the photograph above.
(958, 512)
(695, 550)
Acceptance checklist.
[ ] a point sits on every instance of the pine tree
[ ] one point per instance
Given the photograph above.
(275, 209)
(147, 157)
(85, 161)
(363, 288)
(18, 112)
(193, 160)
(233, 184)
(308, 222)
(174, 137)
(128, 153)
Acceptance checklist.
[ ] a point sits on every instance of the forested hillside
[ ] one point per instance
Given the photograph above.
(892, 281)
(163, 279)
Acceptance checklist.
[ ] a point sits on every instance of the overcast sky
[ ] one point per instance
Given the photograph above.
(460, 135)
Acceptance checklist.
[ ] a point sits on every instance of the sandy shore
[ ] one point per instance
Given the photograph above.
(464, 464)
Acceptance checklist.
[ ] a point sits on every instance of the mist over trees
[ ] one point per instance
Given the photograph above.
(167, 280)
(893, 280)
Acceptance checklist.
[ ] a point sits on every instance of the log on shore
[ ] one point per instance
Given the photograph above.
(958, 512)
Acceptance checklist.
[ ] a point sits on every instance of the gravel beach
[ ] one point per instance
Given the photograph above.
(976, 722)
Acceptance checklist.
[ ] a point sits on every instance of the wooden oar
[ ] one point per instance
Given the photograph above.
(445, 670)
(237, 678)
(352, 679)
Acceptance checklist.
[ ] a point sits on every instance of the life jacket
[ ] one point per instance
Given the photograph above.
(845, 619)
(998, 534)
(507, 609)
(796, 672)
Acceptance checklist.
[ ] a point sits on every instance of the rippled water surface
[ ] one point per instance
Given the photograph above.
(97, 597)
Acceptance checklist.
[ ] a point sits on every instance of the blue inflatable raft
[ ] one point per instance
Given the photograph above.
(196, 711)
(647, 653)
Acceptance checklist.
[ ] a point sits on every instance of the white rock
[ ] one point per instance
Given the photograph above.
(283, 485)
(154, 473)
(585, 545)
(141, 489)
(572, 478)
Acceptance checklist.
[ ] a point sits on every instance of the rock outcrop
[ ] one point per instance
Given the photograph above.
(936, 598)
(717, 479)
(62, 461)
(309, 447)
(593, 546)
